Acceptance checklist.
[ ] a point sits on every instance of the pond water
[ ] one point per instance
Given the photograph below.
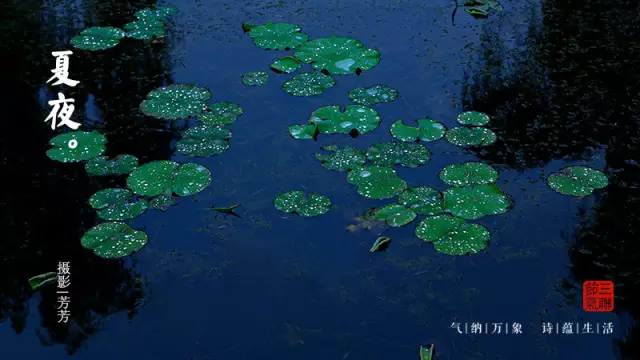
(559, 80)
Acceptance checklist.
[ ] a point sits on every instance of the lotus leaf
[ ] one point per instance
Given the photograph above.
(332, 120)
(98, 38)
(76, 146)
(39, 281)
(394, 153)
(347, 158)
(276, 36)
(113, 204)
(303, 132)
(220, 113)
(286, 65)
(308, 84)
(577, 180)
(190, 179)
(204, 141)
(338, 55)
(376, 182)
(256, 78)
(372, 95)
(145, 29)
(114, 240)
(120, 165)
(423, 200)
(381, 244)
(296, 202)
(476, 201)
(164, 177)
(471, 136)
(395, 215)
(469, 173)
(156, 13)
(473, 118)
(427, 130)
(176, 101)
(426, 353)
(453, 236)
(162, 202)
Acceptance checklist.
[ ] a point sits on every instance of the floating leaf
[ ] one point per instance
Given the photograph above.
(426, 353)
(41, 280)
(114, 240)
(577, 180)
(332, 120)
(176, 101)
(473, 118)
(469, 173)
(286, 65)
(145, 29)
(308, 84)
(347, 158)
(303, 132)
(477, 12)
(395, 215)
(453, 236)
(296, 202)
(381, 244)
(423, 200)
(477, 201)
(221, 113)
(156, 13)
(76, 146)
(376, 182)
(113, 204)
(372, 95)
(98, 38)
(190, 179)
(256, 78)
(120, 165)
(395, 153)
(153, 179)
(427, 130)
(480, 8)
(204, 141)
(338, 55)
(471, 136)
(162, 202)
(276, 36)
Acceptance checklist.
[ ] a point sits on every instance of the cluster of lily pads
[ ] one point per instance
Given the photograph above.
(149, 25)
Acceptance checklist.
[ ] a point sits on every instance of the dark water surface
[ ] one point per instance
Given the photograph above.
(559, 79)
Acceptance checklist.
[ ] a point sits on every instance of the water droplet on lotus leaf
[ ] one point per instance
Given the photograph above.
(296, 202)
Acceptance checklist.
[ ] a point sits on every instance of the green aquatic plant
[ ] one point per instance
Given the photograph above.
(113, 240)
(480, 9)
(577, 180)
(338, 55)
(114, 204)
(473, 118)
(372, 95)
(376, 182)
(77, 146)
(162, 202)
(286, 65)
(476, 201)
(471, 136)
(98, 38)
(395, 215)
(275, 36)
(156, 12)
(177, 101)
(427, 130)
(255, 78)
(103, 166)
(354, 118)
(398, 153)
(295, 202)
(204, 141)
(423, 200)
(308, 84)
(304, 132)
(452, 235)
(221, 113)
(469, 173)
(426, 353)
(164, 177)
(145, 29)
(41, 280)
(381, 244)
(344, 159)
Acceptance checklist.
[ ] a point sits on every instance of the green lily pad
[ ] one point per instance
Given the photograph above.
(332, 120)
(77, 146)
(453, 236)
(308, 84)
(190, 179)
(398, 153)
(296, 202)
(427, 130)
(338, 55)
(395, 215)
(423, 200)
(286, 65)
(220, 113)
(303, 132)
(98, 38)
(376, 182)
(473, 118)
(103, 166)
(469, 173)
(145, 29)
(176, 101)
(276, 36)
(156, 13)
(471, 136)
(577, 180)
(255, 78)
(41, 280)
(426, 353)
(476, 201)
(164, 177)
(372, 95)
(344, 159)
(204, 141)
(162, 202)
(113, 240)
(113, 204)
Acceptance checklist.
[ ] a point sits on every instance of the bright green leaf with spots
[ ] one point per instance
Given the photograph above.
(153, 179)
(190, 179)
(145, 29)
(156, 13)
(113, 240)
(471, 136)
(297, 203)
(308, 84)
(220, 113)
(103, 166)
(286, 65)
(204, 141)
(476, 201)
(176, 101)
(398, 153)
(347, 158)
(427, 130)
(76, 146)
(114, 204)
(577, 180)
(162, 202)
(395, 215)
(473, 118)
(333, 120)
(255, 78)
(276, 36)
(423, 200)
(469, 173)
(453, 236)
(376, 182)
(98, 38)
(338, 55)
(372, 95)
(304, 132)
